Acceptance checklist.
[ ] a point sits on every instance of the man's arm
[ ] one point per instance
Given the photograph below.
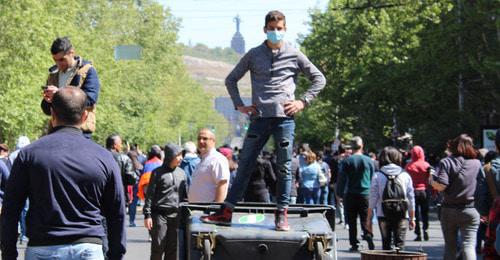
(232, 80)
(317, 79)
(221, 191)
(148, 200)
(114, 212)
(16, 192)
(221, 177)
(91, 87)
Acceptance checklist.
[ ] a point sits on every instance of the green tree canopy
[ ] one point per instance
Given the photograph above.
(151, 100)
(396, 65)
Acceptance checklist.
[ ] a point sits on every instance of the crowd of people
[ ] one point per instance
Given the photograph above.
(76, 191)
(463, 185)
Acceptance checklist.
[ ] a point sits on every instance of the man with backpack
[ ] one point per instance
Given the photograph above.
(391, 193)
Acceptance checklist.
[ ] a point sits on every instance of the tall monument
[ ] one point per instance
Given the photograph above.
(238, 43)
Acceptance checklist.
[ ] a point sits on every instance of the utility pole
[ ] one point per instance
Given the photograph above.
(461, 89)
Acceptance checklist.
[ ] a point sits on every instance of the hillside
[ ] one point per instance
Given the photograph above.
(211, 75)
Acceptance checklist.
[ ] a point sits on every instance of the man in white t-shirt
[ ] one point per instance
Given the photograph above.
(211, 176)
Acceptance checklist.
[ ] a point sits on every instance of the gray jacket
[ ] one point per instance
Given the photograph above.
(166, 189)
(274, 77)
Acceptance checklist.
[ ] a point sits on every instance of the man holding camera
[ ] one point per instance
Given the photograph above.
(71, 70)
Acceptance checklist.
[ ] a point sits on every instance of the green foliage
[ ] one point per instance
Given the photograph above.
(147, 101)
(219, 54)
(399, 65)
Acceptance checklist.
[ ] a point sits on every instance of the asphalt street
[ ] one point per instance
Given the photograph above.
(138, 246)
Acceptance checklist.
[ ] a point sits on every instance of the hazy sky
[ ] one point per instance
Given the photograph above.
(211, 21)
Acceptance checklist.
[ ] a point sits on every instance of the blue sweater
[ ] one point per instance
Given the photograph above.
(72, 183)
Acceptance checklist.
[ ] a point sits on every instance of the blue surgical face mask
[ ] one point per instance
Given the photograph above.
(275, 36)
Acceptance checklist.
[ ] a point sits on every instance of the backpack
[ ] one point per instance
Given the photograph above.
(394, 203)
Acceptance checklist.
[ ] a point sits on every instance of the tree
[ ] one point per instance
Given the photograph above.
(146, 101)
(395, 65)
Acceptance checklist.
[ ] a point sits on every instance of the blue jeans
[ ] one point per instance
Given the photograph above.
(323, 198)
(82, 251)
(132, 208)
(310, 196)
(465, 220)
(283, 132)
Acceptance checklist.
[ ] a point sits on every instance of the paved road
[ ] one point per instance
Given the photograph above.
(138, 246)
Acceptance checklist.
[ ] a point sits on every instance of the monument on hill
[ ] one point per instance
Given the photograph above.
(238, 42)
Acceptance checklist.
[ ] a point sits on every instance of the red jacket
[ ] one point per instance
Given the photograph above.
(417, 168)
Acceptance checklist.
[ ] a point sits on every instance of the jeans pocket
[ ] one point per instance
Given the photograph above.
(92, 253)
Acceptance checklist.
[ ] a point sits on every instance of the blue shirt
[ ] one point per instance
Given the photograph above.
(71, 183)
(309, 175)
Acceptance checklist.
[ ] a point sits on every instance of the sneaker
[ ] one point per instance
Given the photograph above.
(426, 236)
(369, 240)
(132, 224)
(353, 249)
(418, 238)
(281, 220)
(222, 216)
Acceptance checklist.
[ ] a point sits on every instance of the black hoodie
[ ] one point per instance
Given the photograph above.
(167, 187)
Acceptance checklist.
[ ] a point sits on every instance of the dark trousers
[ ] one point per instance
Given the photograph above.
(164, 238)
(421, 211)
(393, 232)
(356, 205)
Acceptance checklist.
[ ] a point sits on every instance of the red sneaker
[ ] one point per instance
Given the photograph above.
(281, 220)
(221, 217)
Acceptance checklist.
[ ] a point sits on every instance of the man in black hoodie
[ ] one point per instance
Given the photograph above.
(166, 189)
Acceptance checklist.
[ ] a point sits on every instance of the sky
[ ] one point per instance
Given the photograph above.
(211, 21)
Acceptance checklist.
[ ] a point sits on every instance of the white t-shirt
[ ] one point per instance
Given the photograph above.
(212, 168)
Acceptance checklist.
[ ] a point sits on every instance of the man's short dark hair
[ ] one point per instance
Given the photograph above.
(68, 104)
(111, 140)
(61, 44)
(273, 16)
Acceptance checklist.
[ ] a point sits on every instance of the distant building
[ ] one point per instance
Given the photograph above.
(238, 42)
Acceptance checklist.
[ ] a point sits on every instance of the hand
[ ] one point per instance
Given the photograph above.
(48, 93)
(148, 223)
(293, 107)
(412, 224)
(369, 225)
(248, 110)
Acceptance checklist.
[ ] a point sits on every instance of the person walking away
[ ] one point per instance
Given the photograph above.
(166, 190)
(456, 178)
(274, 67)
(418, 170)
(392, 195)
(354, 188)
(309, 182)
(133, 154)
(325, 187)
